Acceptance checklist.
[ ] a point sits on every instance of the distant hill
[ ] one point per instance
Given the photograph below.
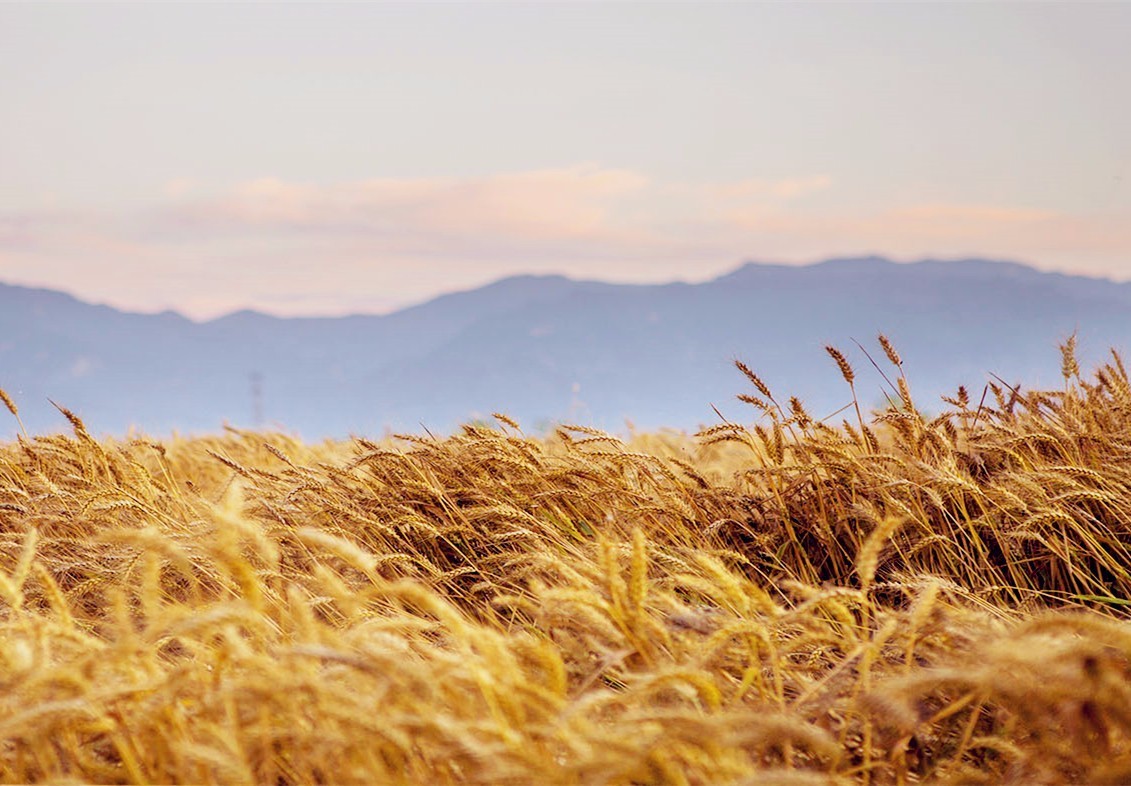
(548, 348)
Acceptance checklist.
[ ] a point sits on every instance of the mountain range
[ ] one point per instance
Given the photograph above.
(545, 349)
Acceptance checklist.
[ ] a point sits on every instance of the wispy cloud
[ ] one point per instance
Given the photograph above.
(366, 245)
(550, 204)
(760, 190)
(1091, 244)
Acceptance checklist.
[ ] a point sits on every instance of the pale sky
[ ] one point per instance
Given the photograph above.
(330, 158)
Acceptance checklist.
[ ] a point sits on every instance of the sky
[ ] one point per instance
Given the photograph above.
(320, 159)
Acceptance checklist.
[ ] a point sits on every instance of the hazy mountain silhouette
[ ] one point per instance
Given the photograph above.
(547, 348)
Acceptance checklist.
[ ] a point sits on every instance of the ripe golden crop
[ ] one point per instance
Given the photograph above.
(898, 600)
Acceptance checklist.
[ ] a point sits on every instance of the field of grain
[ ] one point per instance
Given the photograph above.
(882, 598)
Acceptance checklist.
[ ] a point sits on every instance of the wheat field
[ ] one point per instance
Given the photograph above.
(883, 598)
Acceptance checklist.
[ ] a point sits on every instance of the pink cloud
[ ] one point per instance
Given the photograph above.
(774, 190)
(978, 214)
(1093, 244)
(366, 245)
(545, 204)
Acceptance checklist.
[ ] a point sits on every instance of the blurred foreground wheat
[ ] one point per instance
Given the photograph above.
(899, 599)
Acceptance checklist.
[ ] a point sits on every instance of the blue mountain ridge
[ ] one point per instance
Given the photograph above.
(545, 349)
